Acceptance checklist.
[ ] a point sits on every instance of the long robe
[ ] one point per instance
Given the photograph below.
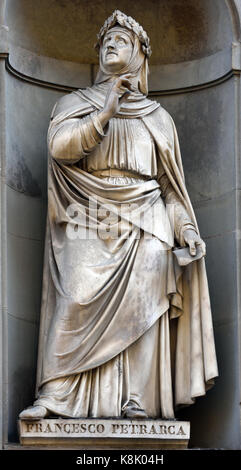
(107, 302)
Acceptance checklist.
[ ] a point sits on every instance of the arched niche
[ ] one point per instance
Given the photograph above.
(180, 32)
(195, 72)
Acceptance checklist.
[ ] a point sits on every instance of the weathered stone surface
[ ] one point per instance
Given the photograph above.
(215, 418)
(93, 431)
(203, 121)
(22, 359)
(192, 73)
(26, 215)
(49, 69)
(24, 270)
(26, 136)
(3, 40)
(179, 30)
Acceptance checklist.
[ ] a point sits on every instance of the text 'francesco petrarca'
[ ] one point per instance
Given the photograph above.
(108, 428)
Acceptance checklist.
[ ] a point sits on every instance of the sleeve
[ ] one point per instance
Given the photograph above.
(181, 220)
(74, 138)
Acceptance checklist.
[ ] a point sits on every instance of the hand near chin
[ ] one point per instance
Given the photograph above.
(114, 98)
(193, 240)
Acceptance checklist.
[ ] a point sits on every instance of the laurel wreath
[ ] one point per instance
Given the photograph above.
(128, 22)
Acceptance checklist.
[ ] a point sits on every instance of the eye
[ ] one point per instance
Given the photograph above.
(106, 40)
(121, 41)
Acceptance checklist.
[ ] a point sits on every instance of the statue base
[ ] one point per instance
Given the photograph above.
(106, 433)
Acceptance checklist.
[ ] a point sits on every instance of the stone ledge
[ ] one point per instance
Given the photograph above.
(95, 434)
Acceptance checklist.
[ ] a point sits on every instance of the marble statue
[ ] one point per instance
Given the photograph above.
(126, 328)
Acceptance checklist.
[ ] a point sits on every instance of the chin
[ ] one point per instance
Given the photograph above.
(112, 61)
(113, 66)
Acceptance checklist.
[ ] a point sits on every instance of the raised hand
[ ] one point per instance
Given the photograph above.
(114, 98)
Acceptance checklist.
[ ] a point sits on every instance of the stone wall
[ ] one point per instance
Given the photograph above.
(195, 75)
(206, 116)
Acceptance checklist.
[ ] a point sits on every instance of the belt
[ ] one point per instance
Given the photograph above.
(117, 172)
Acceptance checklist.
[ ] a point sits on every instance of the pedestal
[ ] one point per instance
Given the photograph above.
(100, 433)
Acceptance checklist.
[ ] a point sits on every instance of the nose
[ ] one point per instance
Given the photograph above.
(111, 44)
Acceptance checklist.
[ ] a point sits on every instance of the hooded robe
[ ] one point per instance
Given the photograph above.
(120, 319)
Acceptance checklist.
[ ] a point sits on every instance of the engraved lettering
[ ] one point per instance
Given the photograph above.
(67, 428)
(143, 429)
(115, 427)
(100, 428)
(124, 428)
(39, 427)
(181, 431)
(169, 429)
(48, 428)
(153, 430)
(163, 429)
(91, 426)
(83, 427)
(29, 427)
(133, 430)
(58, 427)
(76, 427)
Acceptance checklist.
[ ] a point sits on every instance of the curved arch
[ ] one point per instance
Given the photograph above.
(205, 61)
(235, 13)
(155, 93)
(180, 31)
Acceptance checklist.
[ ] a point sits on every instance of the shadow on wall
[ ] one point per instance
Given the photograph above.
(180, 30)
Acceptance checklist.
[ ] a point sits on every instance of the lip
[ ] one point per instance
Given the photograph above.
(111, 53)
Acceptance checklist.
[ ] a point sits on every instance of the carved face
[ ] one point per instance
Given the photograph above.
(116, 50)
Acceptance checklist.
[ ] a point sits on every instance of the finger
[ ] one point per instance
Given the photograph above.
(192, 248)
(123, 80)
(125, 76)
(202, 245)
(124, 97)
(119, 80)
(127, 84)
(122, 84)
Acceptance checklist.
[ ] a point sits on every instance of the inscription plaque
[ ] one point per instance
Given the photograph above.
(59, 431)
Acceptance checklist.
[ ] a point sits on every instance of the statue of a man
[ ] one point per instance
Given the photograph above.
(125, 330)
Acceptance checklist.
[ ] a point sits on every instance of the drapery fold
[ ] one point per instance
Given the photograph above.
(89, 311)
(94, 279)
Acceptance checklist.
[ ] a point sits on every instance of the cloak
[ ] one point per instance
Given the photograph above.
(101, 326)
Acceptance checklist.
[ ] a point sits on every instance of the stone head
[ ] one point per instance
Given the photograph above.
(123, 47)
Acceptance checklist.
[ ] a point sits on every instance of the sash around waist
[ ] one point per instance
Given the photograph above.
(119, 173)
(140, 203)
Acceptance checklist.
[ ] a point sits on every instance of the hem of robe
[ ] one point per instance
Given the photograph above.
(62, 397)
(192, 400)
(45, 402)
(155, 317)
